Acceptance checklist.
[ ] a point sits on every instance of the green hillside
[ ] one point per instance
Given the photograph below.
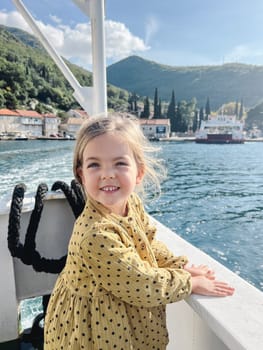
(28, 75)
(222, 84)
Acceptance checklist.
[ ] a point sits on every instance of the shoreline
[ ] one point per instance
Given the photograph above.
(43, 138)
(168, 139)
(192, 139)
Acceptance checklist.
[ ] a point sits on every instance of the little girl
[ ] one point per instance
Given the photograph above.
(118, 278)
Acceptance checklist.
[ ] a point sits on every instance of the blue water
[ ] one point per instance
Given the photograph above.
(213, 196)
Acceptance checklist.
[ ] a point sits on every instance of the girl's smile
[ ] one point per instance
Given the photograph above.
(109, 188)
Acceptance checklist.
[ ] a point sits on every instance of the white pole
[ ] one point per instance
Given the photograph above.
(95, 10)
(92, 99)
(98, 55)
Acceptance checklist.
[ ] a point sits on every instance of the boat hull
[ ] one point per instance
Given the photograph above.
(219, 138)
(219, 141)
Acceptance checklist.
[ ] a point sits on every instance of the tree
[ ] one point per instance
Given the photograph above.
(171, 108)
(183, 116)
(201, 116)
(177, 122)
(155, 104)
(10, 100)
(135, 99)
(146, 109)
(160, 109)
(207, 109)
(195, 121)
(132, 100)
(173, 122)
(2, 99)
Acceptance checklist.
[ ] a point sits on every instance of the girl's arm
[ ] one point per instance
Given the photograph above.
(120, 270)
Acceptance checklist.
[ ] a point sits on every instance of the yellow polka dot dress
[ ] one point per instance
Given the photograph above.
(115, 285)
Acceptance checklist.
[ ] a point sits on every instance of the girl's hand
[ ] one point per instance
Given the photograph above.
(201, 270)
(205, 286)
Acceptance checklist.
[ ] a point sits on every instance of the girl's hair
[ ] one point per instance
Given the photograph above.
(130, 131)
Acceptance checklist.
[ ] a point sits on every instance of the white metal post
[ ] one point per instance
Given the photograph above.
(92, 99)
(98, 55)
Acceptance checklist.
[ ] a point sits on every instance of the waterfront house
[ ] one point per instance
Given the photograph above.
(27, 123)
(9, 122)
(71, 126)
(50, 124)
(31, 123)
(155, 128)
(76, 118)
(20, 123)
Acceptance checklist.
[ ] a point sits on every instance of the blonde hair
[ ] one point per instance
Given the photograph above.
(130, 131)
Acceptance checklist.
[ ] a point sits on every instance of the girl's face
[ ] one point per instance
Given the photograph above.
(109, 172)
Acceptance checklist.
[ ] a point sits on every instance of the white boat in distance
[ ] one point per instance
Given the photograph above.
(29, 263)
(220, 129)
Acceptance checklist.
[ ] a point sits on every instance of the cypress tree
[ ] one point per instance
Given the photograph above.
(171, 112)
(195, 122)
(207, 109)
(130, 101)
(135, 99)
(155, 104)
(160, 109)
(201, 115)
(171, 107)
(178, 119)
(146, 109)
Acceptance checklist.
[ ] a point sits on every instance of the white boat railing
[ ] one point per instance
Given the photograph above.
(199, 323)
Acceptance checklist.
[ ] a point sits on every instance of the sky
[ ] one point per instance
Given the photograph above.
(170, 32)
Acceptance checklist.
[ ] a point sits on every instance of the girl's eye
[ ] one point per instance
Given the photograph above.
(93, 165)
(122, 164)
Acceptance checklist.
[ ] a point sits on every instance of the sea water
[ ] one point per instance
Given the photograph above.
(212, 197)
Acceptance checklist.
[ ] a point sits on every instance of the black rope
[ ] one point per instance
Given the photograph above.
(27, 252)
(30, 239)
(15, 247)
(74, 195)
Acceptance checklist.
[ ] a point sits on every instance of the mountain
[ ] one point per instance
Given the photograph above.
(28, 73)
(28, 76)
(222, 84)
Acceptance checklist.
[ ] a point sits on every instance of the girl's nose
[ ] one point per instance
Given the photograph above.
(104, 177)
(107, 175)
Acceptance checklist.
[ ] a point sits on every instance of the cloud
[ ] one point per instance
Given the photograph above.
(55, 19)
(74, 42)
(120, 42)
(13, 19)
(151, 28)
